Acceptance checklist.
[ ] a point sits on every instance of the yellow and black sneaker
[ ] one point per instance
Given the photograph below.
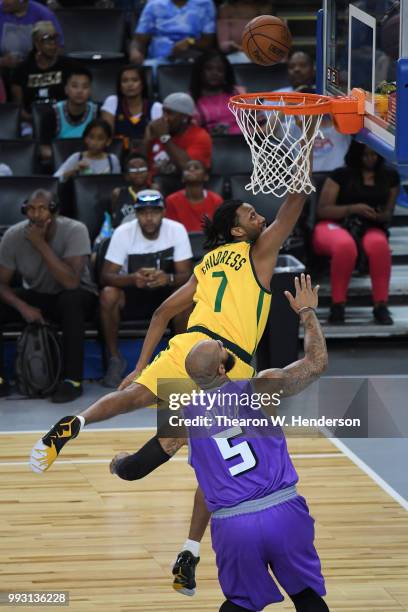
(47, 449)
(184, 573)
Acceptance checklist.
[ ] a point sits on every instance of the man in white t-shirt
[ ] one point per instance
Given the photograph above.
(146, 260)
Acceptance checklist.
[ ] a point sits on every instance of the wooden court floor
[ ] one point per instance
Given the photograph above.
(111, 543)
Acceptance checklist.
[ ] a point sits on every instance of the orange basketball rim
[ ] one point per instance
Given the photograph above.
(347, 111)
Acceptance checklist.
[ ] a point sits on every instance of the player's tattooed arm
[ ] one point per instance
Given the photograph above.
(298, 375)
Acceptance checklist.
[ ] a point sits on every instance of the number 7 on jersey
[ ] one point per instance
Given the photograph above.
(221, 289)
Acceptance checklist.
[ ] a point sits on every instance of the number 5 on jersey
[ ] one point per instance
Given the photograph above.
(242, 449)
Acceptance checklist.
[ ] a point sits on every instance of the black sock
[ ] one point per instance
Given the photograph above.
(309, 601)
(228, 606)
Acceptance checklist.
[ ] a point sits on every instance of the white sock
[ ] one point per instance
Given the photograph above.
(82, 420)
(192, 546)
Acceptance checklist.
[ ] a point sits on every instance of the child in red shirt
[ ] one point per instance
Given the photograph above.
(189, 205)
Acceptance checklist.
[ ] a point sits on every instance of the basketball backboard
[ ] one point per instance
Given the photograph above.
(364, 43)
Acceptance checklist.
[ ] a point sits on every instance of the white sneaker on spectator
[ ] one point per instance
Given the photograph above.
(114, 373)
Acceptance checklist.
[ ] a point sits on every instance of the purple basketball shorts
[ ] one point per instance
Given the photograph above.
(279, 539)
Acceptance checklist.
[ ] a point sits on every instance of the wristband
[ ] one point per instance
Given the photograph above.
(305, 308)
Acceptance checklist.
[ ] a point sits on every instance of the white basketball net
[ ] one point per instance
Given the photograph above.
(280, 144)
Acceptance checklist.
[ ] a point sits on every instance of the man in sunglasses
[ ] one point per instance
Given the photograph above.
(41, 77)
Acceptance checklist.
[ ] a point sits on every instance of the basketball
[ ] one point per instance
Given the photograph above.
(266, 40)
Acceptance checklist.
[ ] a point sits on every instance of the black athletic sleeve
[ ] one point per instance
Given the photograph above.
(141, 463)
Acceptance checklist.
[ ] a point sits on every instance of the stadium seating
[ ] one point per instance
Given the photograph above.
(197, 245)
(13, 192)
(104, 77)
(266, 205)
(230, 155)
(64, 147)
(20, 156)
(172, 78)
(87, 30)
(92, 196)
(39, 112)
(261, 78)
(9, 120)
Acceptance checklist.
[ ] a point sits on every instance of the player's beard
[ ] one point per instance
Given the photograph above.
(229, 362)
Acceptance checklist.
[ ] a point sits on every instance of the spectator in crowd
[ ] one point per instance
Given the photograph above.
(190, 205)
(146, 260)
(300, 71)
(51, 253)
(128, 112)
(41, 77)
(122, 207)
(77, 111)
(124, 198)
(355, 207)
(69, 118)
(233, 15)
(173, 139)
(17, 18)
(212, 85)
(173, 29)
(95, 159)
(330, 147)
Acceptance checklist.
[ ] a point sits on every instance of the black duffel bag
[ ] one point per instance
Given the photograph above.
(38, 360)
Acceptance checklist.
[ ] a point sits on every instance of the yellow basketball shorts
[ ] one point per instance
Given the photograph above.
(170, 363)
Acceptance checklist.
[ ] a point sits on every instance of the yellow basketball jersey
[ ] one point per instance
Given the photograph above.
(229, 300)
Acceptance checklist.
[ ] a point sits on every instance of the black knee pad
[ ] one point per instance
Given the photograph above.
(309, 601)
(228, 606)
(140, 464)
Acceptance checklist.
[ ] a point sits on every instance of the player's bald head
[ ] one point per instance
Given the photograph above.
(203, 362)
(208, 363)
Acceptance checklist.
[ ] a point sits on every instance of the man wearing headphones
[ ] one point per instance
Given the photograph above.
(51, 254)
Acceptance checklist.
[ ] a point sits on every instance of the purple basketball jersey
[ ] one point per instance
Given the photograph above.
(239, 462)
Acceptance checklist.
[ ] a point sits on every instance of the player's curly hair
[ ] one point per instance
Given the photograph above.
(218, 230)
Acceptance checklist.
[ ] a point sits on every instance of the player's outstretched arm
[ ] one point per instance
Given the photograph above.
(271, 240)
(180, 300)
(300, 374)
(266, 248)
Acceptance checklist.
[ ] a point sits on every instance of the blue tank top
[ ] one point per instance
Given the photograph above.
(67, 129)
(234, 464)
